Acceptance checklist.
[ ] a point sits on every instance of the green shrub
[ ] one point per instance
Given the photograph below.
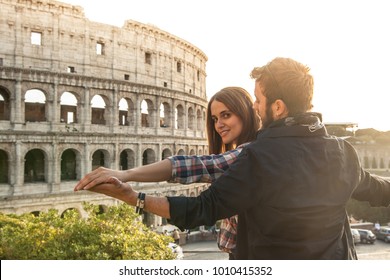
(114, 235)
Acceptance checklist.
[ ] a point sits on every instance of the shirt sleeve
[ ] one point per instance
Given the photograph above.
(222, 199)
(207, 168)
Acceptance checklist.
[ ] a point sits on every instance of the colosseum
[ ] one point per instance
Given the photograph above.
(77, 94)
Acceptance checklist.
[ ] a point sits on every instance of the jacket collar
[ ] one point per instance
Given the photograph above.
(302, 125)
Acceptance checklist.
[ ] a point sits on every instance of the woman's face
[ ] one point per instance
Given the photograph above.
(227, 124)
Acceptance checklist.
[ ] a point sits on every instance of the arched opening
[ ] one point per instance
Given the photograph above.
(68, 165)
(148, 157)
(123, 112)
(179, 117)
(99, 159)
(199, 121)
(70, 210)
(4, 105)
(68, 108)
(34, 166)
(127, 160)
(35, 106)
(165, 115)
(166, 153)
(4, 168)
(191, 119)
(147, 113)
(98, 110)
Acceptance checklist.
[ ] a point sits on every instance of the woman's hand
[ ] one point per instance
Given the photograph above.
(97, 177)
(115, 188)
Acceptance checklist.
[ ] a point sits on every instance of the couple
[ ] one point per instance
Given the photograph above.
(284, 195)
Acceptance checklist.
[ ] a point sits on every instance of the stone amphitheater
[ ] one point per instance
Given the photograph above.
(77, 94)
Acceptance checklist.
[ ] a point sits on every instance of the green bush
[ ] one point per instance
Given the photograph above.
(117, 234)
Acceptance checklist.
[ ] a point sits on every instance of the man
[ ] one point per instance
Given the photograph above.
(294, 179)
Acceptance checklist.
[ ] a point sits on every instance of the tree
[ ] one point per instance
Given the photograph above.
(113, 235)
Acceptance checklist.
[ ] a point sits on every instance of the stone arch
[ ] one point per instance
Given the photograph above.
(102, 209)
(5, 106)
(35, 213)
(181, 152)
(374, 164)
(123, 112)
(192, 152)
(199, 120)
(147, 113)
(70, 165)
(68, 110)
(179, 117)
(34, 166)
(165, 114)
(4, 167)
(191, 118)
(70, 209)
(148, 156)
(100, 158)
(166, 153)
(98, 109)
(127, 159)
(366, 162)
(35, 105)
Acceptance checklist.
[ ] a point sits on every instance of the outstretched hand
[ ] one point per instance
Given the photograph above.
(112, 187)
(97, 177)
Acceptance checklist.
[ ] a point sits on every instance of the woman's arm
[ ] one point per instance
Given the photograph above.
(192, 169)
(155, 172)
(177, 169)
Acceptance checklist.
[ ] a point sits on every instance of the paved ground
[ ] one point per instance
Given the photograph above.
(208, 250)
(204, 250)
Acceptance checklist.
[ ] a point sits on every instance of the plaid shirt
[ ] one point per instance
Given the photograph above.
(192, 169)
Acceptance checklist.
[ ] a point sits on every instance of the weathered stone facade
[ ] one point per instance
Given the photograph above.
(77, 94)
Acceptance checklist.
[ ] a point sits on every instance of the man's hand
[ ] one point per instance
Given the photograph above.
(97, 177)
(113, 187)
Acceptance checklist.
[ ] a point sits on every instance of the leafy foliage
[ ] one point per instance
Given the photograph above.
(114, 235)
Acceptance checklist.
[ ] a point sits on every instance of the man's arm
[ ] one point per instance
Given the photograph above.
(115, 188)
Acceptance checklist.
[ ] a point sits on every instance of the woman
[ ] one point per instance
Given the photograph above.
(231, 122)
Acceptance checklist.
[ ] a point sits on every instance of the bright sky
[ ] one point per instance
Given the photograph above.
(344, 42)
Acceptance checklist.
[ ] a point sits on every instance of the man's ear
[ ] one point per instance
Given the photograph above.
(280, 109)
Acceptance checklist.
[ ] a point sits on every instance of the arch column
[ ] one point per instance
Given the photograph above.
(17, 112)
(114, 111)
(157, 115)
(137, 108)
(18, 180)
(85, 118)
(86, 162)
(138, 155)
(54, 169)
(56, 107)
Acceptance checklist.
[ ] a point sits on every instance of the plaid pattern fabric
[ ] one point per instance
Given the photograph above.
(192, 169)
(227, 237)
